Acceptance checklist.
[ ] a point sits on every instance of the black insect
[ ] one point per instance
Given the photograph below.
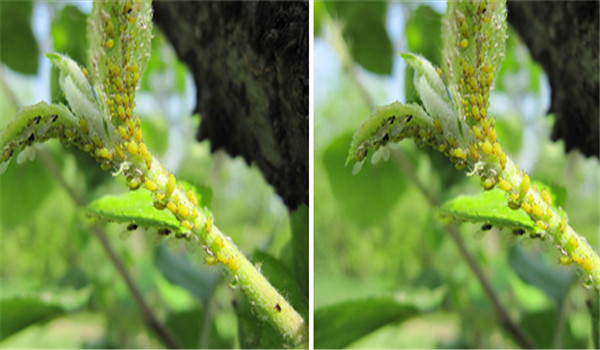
(486, 227)
(277, 307)
(37, 119)
(54, 118)
(132, 227)
(518, 232)
(408, 118)
(164, 232)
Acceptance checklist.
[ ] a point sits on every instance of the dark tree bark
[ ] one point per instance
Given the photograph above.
(564, 38)
(250, 64)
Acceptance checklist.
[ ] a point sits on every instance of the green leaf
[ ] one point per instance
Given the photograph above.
(319, 10)
(488, 206)
(24, 188)
(339, 325)
(541, 327)
(365, 33)
(367, 197)
(552, 280)
(368, 40)
(22, 311)
(19, 49)
(133, 206)
(181, 272)
(187, 327)
(299, 224)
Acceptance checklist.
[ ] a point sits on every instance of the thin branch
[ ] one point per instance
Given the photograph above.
(149, 318)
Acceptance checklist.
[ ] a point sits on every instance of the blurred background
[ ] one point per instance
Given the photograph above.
(378, 236)
(58, 288)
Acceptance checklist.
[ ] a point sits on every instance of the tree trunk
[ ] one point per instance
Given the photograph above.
(250, 64)
(564, 38)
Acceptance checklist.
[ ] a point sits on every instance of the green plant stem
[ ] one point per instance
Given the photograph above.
(149, 318)
(502, 314)
(262, 295)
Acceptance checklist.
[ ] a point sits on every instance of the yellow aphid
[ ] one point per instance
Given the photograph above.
(490, 78)
(487, 68)
(137, 134)
(472, 99)
(183, 210)
(130, 125)
(576, 257)
(194, 212)
(547, 197)
(537, 210)
(234, 264)
(109, 43)
(123, 133)
(88, 147)
(502, 158)
(176, 198)
(132, 147)
(477, 133)
(85, 71)
(150, 185)
(118, 99)
(473, 151)
(442, 147)
(475, 112)
(514, 205)
(587, 264)
(121, 112)
(438, 126)
(573, 242)
(527, 207)
(492, 135)
(208, 225)
(187, 224)
(159, 205)
(172, 207)
(134, 184)
(541, 224)
(464, 43)
(149, 160)
(439, 71)
(171, 183)
(473, 83)
(211, 260)
(119, 151)
(565, 260)
(515, 196)
(192, 197)
(563, 224)
(103, 153)
(486, 147)
(143, 149)
(219, 242)
(160, 196)
(133, 68)
(549, 212)
(128, 111)
(222, 257)
(497, 149)
(452, 141)
(458, 153)
(488, 183)
(126, 99)
(525, 183)
(132, 19)
(84, 126)
(505, 185)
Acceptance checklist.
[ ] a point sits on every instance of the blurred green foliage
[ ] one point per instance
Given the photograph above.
(400, 245)
(49, 258)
